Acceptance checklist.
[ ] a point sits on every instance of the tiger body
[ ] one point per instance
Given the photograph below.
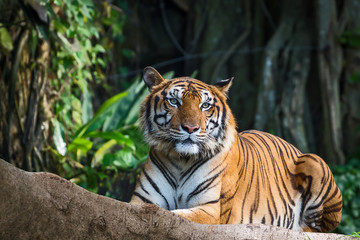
(202, 169)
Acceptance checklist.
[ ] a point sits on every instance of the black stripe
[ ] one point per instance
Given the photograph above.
(203, 186)
(228, 217)
(192, 169)
(176, 204)
(291, 219)
(224, 115)
(211, 202)
(144, 199)
(271, 214)
(245, 156)
(148, 109)
(225, 212)
(323, 197)
(153, 184)
(198, 84)
(221, 163)
(143, 188)
(206, 212)
(251, 215)
(306, 196)
(156, 102)
(163, 169)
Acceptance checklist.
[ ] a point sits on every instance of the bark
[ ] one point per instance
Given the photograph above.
(350, 21)
(46, 206)
(281, 96)
(23, 75)
(330, 66)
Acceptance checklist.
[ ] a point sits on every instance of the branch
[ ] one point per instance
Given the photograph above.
(46, 206)
(21, 42)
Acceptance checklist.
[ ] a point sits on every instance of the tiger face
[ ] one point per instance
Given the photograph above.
(188, 116)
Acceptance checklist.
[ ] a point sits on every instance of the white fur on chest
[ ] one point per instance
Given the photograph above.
(193, 183)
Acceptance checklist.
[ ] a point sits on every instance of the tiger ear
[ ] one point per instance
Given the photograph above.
(224, 85)
(152, 77)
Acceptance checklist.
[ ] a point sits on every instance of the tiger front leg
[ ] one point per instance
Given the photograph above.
(204, 214)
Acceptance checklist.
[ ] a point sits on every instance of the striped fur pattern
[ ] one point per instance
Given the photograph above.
(202, 169)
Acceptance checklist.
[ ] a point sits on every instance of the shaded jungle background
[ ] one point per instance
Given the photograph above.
(70, 80)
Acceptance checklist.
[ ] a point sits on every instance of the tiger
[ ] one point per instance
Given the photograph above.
(201, 168)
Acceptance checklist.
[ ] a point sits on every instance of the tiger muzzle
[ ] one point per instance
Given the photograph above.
(190, 128)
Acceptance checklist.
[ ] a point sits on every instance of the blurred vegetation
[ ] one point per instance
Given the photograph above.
(347, 178)
(90, 148)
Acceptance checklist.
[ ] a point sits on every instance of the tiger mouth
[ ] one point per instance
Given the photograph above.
(188, 141)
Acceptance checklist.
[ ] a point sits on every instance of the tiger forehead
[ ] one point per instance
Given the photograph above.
(189, 87)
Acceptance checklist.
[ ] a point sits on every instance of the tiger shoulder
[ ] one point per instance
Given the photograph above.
(201, 168)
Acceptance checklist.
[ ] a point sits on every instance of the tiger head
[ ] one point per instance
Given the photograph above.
(186, 115)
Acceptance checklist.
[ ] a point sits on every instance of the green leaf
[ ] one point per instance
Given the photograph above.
(59, 26)
(108, 104)
(169, 75)
(125, 159)
(194, 74)
(128, 53)
(101, 175)
(355, 234)
(127, 110)
(100, 115)
(86, 106)
(120, 138)
(76, 113)
(142, 149)
(5, 39)
(108, 160)
(80, 144)
(58, 136)
(101, 62)
(99, 48)
(99, 154)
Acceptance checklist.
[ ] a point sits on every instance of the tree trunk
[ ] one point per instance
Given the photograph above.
(23, 75)
(281, 102)
(46, 206)
(350, 21)
(329, 68)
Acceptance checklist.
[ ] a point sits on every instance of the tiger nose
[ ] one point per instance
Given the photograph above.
(190, 128)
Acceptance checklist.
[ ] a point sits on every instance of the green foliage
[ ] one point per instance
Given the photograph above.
(355, 78)
(351, 38)
(347, 178)
(78, 44)
(98, 150)
(355, 234)
(89, 148)
(5, 39)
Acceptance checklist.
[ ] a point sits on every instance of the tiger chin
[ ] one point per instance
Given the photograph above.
(201, 168)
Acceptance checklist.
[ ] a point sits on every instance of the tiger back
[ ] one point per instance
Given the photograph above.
(202, 169)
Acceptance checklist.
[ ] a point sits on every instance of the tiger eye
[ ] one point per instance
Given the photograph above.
(205, 105)
(173, 101)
